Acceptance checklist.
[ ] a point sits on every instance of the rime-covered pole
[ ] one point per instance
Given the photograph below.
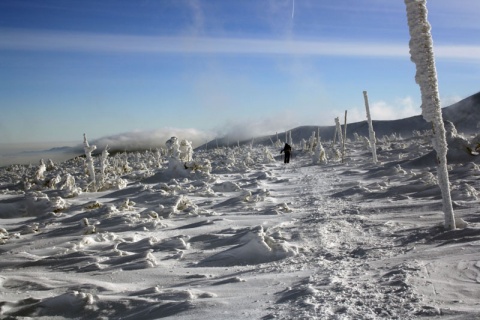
(104, 162)
(338, 131)
(344, 137)
(88, 154)
(421, 51)
(373, 140)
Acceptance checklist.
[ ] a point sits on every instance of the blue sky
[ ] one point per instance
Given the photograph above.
(112, 67)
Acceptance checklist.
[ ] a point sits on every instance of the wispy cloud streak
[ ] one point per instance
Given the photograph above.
(97, 43)
(23, 40)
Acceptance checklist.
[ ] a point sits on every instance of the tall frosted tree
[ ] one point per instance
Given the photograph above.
(338, 131)
(421, 51)
(373, 139)
(88, 154)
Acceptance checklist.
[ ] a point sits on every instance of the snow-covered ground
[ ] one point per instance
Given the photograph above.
(244, 236)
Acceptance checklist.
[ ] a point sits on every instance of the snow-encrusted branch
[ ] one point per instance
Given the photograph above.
(421, 51)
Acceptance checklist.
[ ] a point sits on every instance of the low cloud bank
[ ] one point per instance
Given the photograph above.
(245, 129)
(151, 139)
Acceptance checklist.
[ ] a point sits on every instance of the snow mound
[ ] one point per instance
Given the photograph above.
(256, 247)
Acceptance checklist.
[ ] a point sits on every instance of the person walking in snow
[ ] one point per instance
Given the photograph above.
(288, 150)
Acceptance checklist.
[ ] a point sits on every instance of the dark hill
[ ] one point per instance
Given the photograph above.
(465, 115)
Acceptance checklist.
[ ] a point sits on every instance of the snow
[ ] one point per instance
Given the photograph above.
(237, 234)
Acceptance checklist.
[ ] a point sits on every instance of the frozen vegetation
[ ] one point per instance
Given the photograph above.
(234, 233)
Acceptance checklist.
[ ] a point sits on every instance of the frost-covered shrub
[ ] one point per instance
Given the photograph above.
(51, 165)
(186, 150)
(278, 143)
(335, 154)
(267, 155)
(304, 145)
(39, 175)
(399, 170)
(466, 192)
(68, 187)
(320, 156)
(356, 137)
(429, 179)
(366, 142)
(183, 204)
(4, 236)
(115, 183)
(52, 183)
(173, 147)
(203, 166)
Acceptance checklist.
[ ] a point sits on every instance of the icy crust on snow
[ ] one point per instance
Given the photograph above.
(231, 234)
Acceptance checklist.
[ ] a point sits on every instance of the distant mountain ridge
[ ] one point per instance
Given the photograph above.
(465, 115)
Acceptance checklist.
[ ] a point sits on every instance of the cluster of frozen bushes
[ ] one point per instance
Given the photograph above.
(178, 161)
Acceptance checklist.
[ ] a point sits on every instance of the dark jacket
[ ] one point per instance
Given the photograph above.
(287, 148)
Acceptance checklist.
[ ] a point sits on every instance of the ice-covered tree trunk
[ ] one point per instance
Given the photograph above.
(338, 131)
(312, 142)
(421, 51)
(290, 140)
(104, 163)
(373, 140)
(344, 138)
(88, 154)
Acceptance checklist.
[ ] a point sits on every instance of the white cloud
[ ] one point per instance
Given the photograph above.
(449, 100)
(89, 42)
(27, 40)
(382, 110)
(244, 129)
(136, 140)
